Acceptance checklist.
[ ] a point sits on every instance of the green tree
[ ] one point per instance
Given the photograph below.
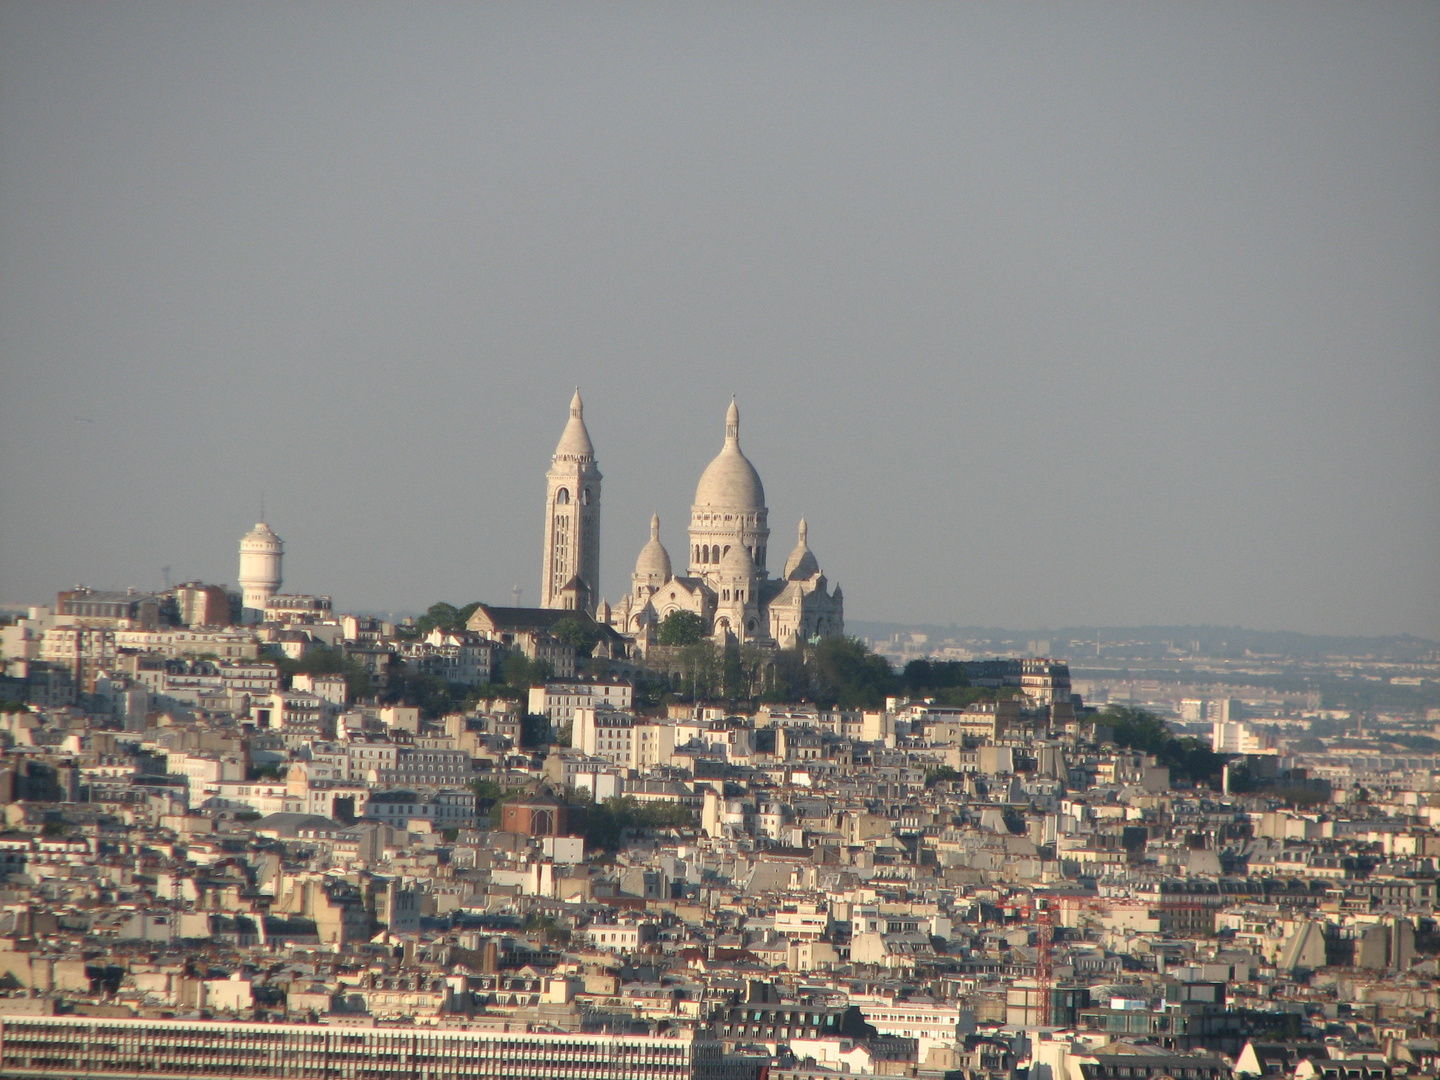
(922, 678)
(681, 628)
(488, 794)
(607, 822)
(573, 631)
(845, 673)
(755, 668)
(733, 683)
(521, 673)
(546, 926)
(321, 660)
(786, 679)
(1187, 758)
(534, 730)
(942, 775)
(433, 695)
(438, 616)
(443, 616)
(699, 665)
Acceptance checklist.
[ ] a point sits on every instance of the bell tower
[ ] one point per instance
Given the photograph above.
(572, 518)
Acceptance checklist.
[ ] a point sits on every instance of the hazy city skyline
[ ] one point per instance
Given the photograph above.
(1052, 315)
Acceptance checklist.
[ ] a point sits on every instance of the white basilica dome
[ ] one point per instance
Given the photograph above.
(654, 560)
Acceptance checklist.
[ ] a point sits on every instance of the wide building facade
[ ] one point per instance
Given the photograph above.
(142, 1049)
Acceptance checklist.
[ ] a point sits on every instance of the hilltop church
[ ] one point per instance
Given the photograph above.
(726, 582)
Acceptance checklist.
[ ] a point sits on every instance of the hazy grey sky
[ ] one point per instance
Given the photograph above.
(1094, 313)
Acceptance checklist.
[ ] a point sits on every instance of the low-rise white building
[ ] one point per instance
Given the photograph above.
(558, 700)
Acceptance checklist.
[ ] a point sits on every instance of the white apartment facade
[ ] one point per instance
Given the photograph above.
(558, 700)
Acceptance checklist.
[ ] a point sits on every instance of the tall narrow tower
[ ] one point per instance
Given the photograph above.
(572, 519)
(261, 552)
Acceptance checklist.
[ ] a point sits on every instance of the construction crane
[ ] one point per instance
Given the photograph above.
(1045, 912)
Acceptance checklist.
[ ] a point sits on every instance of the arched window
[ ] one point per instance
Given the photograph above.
(562, 497)
(585, 497)
(727, 550)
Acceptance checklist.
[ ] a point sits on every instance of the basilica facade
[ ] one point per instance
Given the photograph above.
(725, 582)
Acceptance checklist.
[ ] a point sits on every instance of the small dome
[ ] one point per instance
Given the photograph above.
(575, 439)
(730, 481)
(802, 564)
(654, 560)
(261, 536)
(737, 562)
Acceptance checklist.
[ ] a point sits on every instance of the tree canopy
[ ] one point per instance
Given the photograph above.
(443, 616)
(583, 635)
(521, 673)
(1187, 758)
(606, 823)
(843, 672)
(681, 628)
(321, 660)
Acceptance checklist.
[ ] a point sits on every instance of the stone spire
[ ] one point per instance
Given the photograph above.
(572, 517)
(802, 564)
(575, 442)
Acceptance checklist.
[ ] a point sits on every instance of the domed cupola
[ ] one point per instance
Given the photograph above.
(730, 482)
(737, 564)
(652, 568)
(729, 509)
(802, 564)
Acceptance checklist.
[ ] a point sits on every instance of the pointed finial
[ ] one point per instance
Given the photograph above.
(804, 532)
(577, 407)
(654, 526)
(262, 506)
(732, 422)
